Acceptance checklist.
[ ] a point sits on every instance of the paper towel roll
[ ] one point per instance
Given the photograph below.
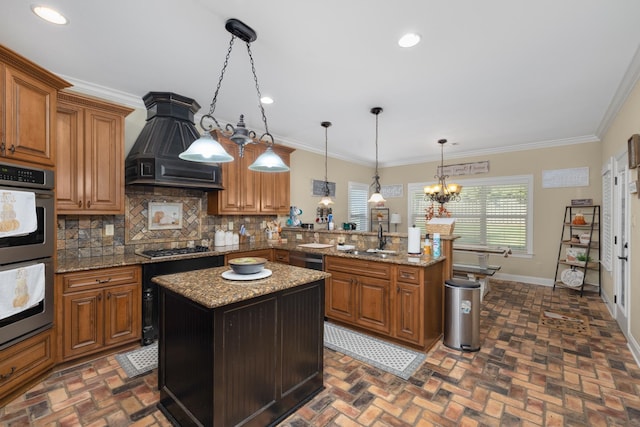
(413, 245)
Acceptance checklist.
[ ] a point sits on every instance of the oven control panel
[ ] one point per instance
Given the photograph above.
(23, 176)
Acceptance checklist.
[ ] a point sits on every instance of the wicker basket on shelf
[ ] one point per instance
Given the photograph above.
(443, 229)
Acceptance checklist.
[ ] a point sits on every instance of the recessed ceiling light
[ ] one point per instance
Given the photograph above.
(266, 100)
(409, 40)
(49, 15)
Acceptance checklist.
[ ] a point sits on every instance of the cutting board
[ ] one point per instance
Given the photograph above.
(315, 245)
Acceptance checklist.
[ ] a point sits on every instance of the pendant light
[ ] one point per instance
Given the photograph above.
(376, 197)
(207, 149)
(442, 192)
(326, 199)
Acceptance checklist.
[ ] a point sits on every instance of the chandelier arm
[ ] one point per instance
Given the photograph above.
(209, 127)
(255, 79)
(212, 107)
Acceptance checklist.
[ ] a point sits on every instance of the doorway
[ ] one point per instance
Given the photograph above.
(622, 250)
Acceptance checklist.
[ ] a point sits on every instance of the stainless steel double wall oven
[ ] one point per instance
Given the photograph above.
(29, 249)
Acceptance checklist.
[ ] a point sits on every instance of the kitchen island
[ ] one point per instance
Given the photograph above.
(239, 352)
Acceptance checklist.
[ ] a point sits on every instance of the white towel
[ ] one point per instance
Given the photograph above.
(20, 289)
(17, 213)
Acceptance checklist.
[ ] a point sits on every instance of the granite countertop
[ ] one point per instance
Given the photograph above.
(65, 265)
(208, 288)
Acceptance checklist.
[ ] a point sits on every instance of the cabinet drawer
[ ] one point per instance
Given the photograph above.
(25, 360)
(408, 274)
(85, 280)
(358, 267)
(281, 255)
(259, 253)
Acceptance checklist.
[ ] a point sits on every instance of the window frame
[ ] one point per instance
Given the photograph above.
(527, 180)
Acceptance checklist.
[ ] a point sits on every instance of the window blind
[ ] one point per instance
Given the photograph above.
(358, 208)
(492, 211)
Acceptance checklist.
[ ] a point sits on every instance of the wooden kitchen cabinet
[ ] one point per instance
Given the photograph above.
(400, 302)
(358, 292)
(90, 159)
(275, 188)
(27, 110)
(25, 361)
(246, 191)
(100, 309)
(281, 255)
(409, 295)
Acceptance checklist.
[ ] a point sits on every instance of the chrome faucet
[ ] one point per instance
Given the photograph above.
(382, 241)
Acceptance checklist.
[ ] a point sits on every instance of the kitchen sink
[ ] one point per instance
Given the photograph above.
(375, 253)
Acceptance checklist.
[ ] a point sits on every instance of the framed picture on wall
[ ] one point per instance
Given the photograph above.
(165, 216)
(633, 151)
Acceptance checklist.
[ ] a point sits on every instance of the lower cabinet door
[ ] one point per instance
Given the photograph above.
(340, 297)
(408, 314)
(372, 298)
(122, 314)
(83, 322)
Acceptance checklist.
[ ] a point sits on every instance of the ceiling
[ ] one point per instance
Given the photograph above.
(489, 76)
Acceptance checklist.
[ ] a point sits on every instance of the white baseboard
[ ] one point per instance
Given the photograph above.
(544, 281)
(634, 347)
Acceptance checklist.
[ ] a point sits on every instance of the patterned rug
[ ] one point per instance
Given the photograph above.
(389, 357)
(139, 361)
(568, 323)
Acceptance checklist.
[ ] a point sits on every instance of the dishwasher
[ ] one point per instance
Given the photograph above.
(306, 260)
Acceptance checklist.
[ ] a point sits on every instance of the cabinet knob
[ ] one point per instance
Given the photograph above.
(80, 204)
(12, 149)
(108, 295)
(3, 148)
(89, 203)
(99, 297)
(6, 376)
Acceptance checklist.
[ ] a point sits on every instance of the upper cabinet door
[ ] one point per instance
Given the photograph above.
(90, 155)
(69, 157)
(30, 107)
(104, 161)
(27, 110)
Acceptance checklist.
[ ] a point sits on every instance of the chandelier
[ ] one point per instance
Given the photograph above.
(207, 149)
(376, 197)
(326, 199)
(442, 192)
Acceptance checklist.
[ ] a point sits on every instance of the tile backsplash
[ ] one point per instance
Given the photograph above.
(81, 236)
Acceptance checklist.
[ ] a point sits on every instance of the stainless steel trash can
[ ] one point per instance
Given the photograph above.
(462, 314)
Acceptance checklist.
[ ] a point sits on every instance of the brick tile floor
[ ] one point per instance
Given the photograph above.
(525, 374)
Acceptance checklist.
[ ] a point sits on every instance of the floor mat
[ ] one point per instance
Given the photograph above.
(139, 361)
(389, 357)
(569, 323)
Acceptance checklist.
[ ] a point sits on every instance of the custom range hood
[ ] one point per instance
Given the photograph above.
(153, 159)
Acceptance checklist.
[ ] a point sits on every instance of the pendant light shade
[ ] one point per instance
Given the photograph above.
(376, 197)
(207, 149)
(326, 198)
(269, 161)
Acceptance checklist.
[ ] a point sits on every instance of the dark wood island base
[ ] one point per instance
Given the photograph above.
(250, 363)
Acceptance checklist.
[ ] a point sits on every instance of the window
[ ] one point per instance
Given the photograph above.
(358, 207)
(492, 211)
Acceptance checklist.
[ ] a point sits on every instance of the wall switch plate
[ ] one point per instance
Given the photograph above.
(230, 227)
(108, 230)
(298, 236)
